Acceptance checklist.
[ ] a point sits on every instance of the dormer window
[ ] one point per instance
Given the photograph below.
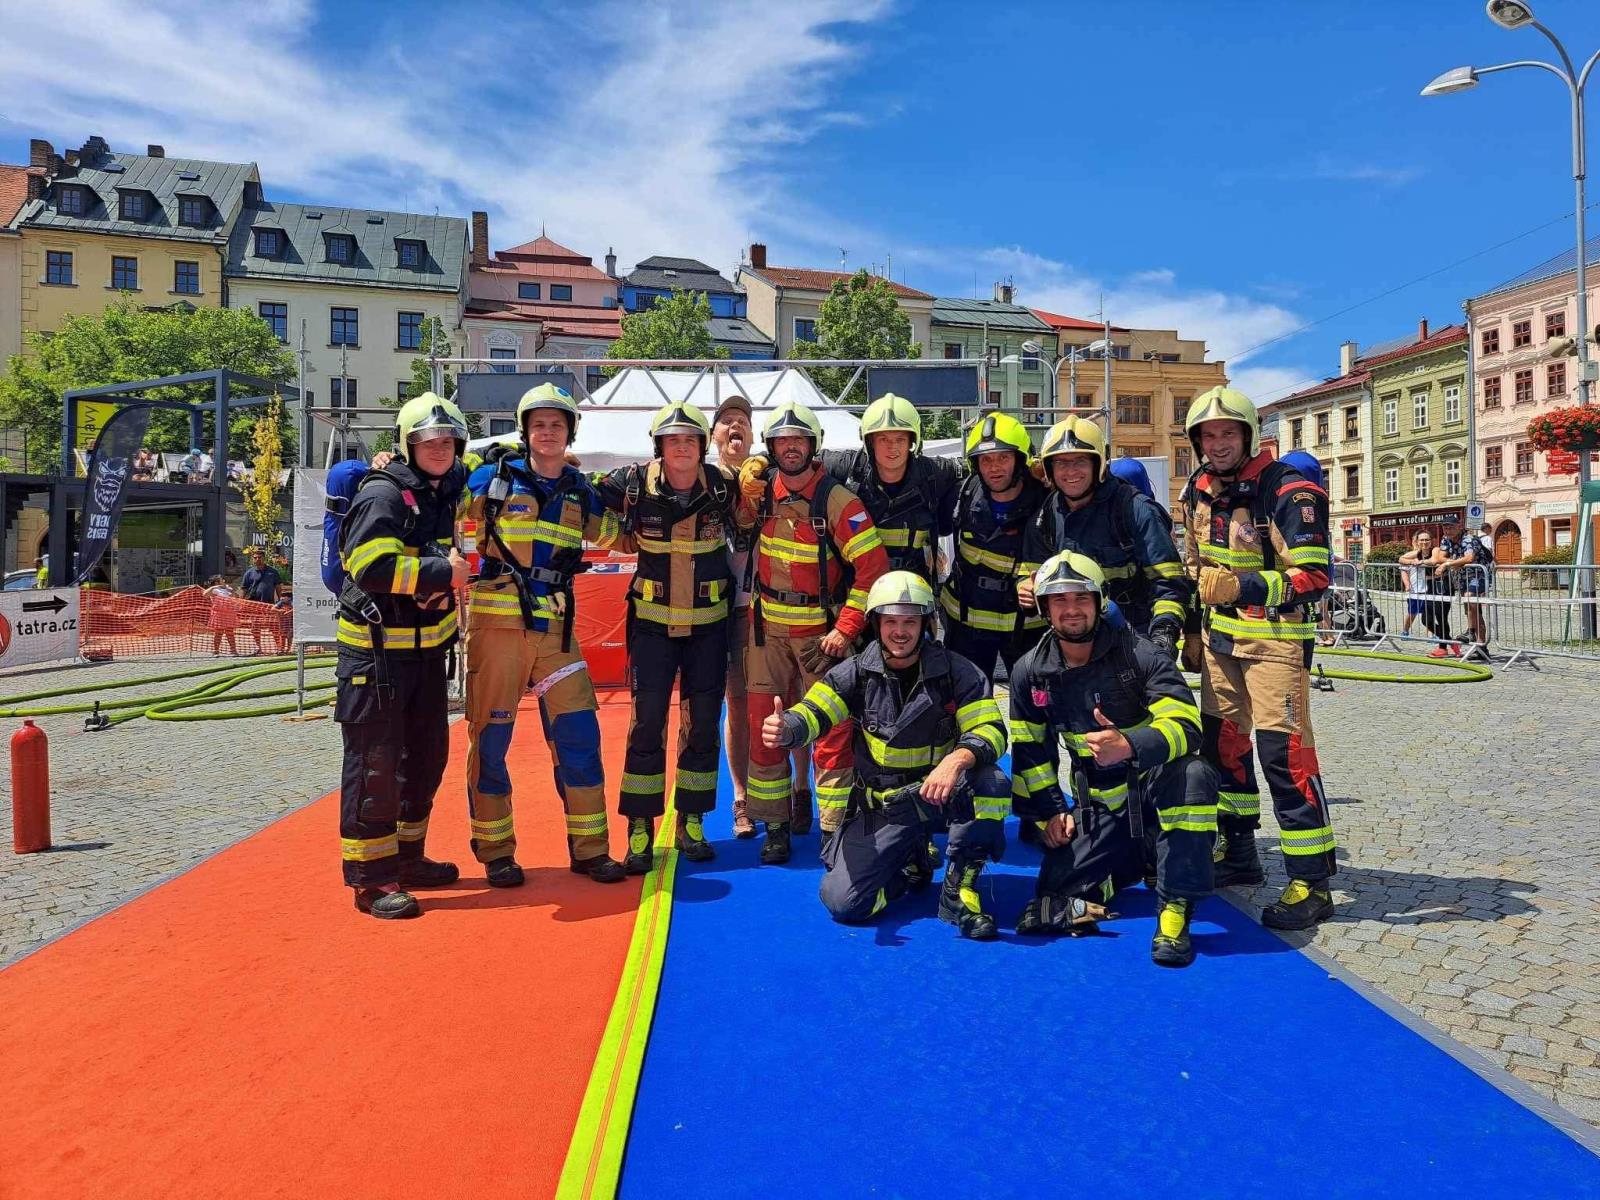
(71, 201)
(194, 211)
(269, 243)
(133, 205)
(411, 252)
(341, 248)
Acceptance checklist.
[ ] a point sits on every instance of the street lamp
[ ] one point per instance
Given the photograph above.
(1514, 14)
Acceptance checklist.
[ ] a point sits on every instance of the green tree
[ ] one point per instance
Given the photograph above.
(860, 318)
(126, 343)
(947, 424)
(675, 328)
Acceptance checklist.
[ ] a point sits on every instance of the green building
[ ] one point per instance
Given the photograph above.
(1419, 441)
(994, 330)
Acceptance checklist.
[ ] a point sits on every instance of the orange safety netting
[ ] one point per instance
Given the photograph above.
(188, 622)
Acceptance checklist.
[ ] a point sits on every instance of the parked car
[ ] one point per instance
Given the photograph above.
(19, 581)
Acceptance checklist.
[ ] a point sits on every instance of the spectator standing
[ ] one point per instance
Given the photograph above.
(144, 465)
(222, 617)
(1427, 580)
(261, 584)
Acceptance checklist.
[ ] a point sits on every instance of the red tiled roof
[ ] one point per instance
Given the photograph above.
(821, 281)
(13, 191)
(546, 270)
(552, 258)
(1327, 385)
(1057, 321)
(1447, 336)
(586, 319)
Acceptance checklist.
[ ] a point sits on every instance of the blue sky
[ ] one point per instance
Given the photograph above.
(1233, 169)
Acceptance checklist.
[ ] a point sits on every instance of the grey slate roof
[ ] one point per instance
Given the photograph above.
(737, 330)
(689, 275)
(106, 174)
(950, 310)
(377, 258)
(1566, 261)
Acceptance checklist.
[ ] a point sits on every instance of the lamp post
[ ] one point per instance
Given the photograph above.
(1073, 356)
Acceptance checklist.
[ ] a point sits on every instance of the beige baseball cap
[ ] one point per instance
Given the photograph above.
(737, 400)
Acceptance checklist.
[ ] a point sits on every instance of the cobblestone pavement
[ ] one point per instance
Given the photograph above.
(1469, 885)
(141, 802)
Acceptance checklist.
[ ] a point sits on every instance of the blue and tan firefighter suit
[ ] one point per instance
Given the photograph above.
(983, 621)
(816, 556)
(1126, 533)
(397, 623)
(520, 611)
(678, 607)
(1258, 543)
(1154, 813)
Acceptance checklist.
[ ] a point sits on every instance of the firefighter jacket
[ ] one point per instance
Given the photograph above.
(820, 529)
(981, 591)
(1130, 538)
(910, 516)
(899, 738)
(1269, 526)
(395, 545)
(539, 529)
(1131, 681)
(684, 579)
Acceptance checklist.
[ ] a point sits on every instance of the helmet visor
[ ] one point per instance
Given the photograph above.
(903, 610)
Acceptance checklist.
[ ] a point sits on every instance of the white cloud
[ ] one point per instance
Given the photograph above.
(663, 138)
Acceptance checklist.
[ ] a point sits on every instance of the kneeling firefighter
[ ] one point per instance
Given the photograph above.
(927, 731)
(397, 623)
(534, 511)
(1140, 791)
(678, 511)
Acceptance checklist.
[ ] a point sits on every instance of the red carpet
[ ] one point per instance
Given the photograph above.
(243, 1031)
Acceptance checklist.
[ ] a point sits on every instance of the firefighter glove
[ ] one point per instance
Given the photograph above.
(1165, 637)
(1218, 585)
(752, 482)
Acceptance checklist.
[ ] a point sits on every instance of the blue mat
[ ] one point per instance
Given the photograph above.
(791, 1056)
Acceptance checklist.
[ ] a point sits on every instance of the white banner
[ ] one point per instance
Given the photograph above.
(316, 610)
(38, 626)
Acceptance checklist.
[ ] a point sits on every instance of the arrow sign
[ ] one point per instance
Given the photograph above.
(54, 604)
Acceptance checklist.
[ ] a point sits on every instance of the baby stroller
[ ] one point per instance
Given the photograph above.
(1352, 613)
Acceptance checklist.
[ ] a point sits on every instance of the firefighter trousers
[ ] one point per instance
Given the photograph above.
(1273, 698)
(874, 845)
(773, 670)
(698, 664)
(502, 663)
(396, 743)
(1179, 805)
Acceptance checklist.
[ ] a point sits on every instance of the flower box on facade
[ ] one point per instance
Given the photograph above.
(1566, 429)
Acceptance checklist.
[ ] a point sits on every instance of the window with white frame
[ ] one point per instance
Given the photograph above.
(1391, 415)
(1452, 477)
(1419, 410)
(1391, 485)
(1419, 481)
(1452, 403)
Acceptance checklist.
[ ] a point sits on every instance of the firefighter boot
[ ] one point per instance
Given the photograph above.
(425, 873)
(641, 846)
(1171, 946)
(692, 842)
(776, 849)
(386, 904)
(959, 903)
(1235, 862)
(504, 873)
(800, 812)
(1301, 906)
(602, 868)
(743, 826)
(1050, 916)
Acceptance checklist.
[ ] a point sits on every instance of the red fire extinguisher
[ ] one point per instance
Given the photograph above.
(30, 789)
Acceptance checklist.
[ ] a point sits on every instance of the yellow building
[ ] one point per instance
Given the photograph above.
(1154, 376)
(154, 227)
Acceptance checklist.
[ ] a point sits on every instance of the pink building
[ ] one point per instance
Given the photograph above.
(538, 300)
(1522, 366)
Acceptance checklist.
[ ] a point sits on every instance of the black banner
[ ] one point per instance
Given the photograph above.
(107, 484)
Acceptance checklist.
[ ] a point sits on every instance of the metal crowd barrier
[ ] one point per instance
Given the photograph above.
(1523, 612)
